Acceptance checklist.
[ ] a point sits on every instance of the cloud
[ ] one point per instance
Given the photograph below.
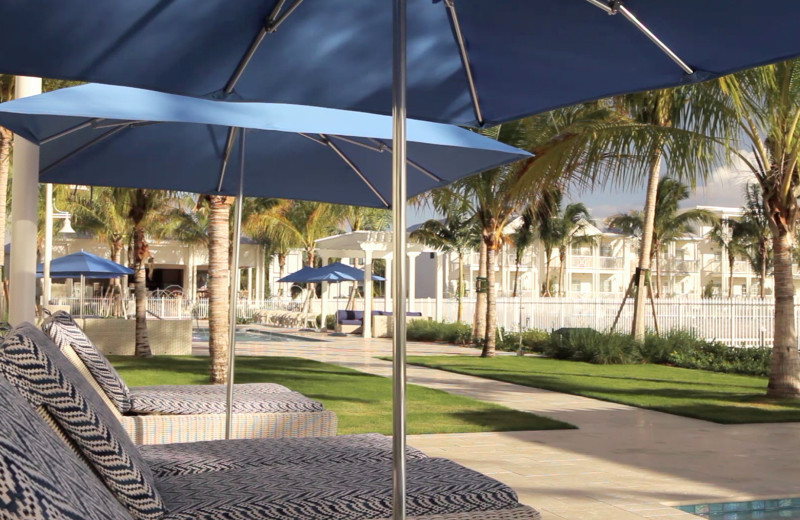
(725, 186)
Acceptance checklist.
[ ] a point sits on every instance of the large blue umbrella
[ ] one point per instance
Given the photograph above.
(117, 136)
(522, 56)
(85, 264)
(303, 275)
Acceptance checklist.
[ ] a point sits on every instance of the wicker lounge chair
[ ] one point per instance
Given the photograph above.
(185, 413)
(84, 465)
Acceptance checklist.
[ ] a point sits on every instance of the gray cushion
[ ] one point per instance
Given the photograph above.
(201, 457)
(35, 365)
(63, 330)
(331, 492)
(39, 477)
(202, 399)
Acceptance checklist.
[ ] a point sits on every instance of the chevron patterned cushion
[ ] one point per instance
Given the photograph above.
(34, 364)
(39, 477)
(201, 399)
(331, 492)
(63, 330)
(201, 457)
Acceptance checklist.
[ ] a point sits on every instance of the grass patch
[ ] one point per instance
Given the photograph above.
(362, 401)
(721, 398)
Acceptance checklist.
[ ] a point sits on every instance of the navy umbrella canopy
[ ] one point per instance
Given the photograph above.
(304, 275)
(521, 56)
(106, 135)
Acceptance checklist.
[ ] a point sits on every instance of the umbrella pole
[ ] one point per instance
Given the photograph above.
(399, 190)
(234, 286)
(83, 291)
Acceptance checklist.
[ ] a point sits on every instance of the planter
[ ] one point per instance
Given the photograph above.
(117, 336)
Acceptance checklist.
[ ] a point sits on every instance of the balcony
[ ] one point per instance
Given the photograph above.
(682, 266)
(581, 261)
(610, 262)
(741, 267)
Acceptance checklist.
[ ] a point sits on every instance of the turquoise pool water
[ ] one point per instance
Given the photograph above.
(754, 510)
(201, 335)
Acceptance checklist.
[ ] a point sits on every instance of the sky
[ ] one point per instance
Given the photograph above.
(724, 187)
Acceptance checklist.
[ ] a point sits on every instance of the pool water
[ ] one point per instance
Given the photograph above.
(753, 510)
(201, 335)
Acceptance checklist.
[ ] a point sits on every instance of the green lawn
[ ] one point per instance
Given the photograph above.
(362, 401)
(721, 398)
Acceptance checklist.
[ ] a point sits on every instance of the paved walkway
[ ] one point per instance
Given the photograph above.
(622, 463)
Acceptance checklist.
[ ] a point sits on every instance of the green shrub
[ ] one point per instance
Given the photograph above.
(428, 330)
(533, 340)
(330, 321)
(712, 355)
(588, 345)
(658, 348)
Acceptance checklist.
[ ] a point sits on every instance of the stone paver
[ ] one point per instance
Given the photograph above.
(622, 463)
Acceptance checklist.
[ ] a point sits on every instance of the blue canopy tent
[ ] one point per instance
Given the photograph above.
(470, 61)
(84, 265)
(156, 140)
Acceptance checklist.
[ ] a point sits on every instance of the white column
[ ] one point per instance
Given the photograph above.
(187, 273)
(387, 292)
(24, 204)
(250, 283)
(324, 303)
(439, 285)
(412, 280)
(367, 328)
(48, 244)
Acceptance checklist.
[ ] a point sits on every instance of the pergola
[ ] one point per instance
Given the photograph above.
(371, 245)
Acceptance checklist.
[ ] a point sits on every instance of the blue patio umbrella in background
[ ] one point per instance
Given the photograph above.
(471, 61)
(300, 276)
(84, 265)
(117, 136)
(339, 272)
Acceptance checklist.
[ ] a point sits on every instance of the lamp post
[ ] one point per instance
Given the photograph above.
(50, 217)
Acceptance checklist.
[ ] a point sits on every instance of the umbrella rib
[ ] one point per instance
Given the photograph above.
(473, 91)
(355, 168)
(318, 141)
(71, 130)
(232, 133)
(83, 148)
(413, 163)
(270, 25)
(617, 6)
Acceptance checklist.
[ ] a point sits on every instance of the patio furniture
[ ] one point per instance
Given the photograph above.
(81, 464)
(184, 413)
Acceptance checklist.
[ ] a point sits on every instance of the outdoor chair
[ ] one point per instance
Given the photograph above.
(64, 455)
(184, 413)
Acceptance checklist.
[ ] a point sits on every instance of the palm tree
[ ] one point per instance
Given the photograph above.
(103, 214)
(258, 224)
(754, 234)
(522, 239)
(764, 109)
(453, 234)
(669, 222)
(726, 235)
(359, 218)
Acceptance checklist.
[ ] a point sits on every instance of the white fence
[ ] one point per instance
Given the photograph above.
(735, 321)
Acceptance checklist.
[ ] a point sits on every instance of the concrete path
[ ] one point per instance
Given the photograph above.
(622, 463)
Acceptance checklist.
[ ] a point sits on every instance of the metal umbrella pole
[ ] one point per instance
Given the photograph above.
(399, 190)
(234, 286)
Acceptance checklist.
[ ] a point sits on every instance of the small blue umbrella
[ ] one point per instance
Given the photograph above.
(304, 275)
(85, 264)
(339, 272)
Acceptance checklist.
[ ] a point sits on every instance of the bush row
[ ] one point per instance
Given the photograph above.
(676, 348)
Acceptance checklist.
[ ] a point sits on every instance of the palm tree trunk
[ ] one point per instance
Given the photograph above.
(460, 289)
(562, 259)
(218, 287)
(479, 324)
(491, 303)
(116, 283)
(516, 276)
(141, 254)
(784, 379)
(5, 162)
(546, 292)
(731, 261)
(640, 299)
(763, 275)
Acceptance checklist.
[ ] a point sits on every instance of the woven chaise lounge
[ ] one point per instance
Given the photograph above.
(73, 460)
(185, 413)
